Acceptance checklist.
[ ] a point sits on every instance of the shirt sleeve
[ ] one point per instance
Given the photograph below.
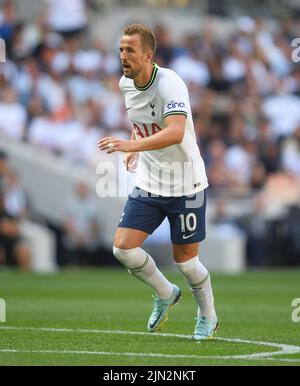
(174, 96)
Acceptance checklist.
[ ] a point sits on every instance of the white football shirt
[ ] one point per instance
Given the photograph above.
(175, 170)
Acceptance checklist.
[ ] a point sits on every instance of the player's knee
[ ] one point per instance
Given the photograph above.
(126, 242)
(120, 244)
(124, 255)
(182, 258)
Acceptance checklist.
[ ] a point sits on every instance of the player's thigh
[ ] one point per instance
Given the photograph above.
(185, 252)
(140, 217)
(127, 238)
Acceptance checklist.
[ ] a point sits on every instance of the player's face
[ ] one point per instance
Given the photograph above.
(133, 56)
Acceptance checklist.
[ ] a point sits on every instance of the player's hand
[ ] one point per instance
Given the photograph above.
(112, 144)
(130, 161)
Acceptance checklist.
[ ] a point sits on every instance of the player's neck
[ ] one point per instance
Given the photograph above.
(144, 76)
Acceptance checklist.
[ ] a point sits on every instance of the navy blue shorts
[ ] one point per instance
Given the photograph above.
(186, 215)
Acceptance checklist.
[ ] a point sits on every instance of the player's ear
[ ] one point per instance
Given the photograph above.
(149, 56)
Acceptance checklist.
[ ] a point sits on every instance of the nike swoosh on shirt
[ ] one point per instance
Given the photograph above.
(187, 237)
(128, 108)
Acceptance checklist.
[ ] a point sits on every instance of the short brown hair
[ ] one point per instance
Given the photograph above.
(147, 36)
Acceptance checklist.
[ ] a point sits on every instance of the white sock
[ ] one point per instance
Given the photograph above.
(140, 264)
(199, 280)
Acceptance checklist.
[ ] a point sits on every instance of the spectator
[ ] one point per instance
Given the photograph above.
(81, 229)
(255, 227)
(218, 174)
(291, 153)
(292, 223)
(285, 246)
(15, 201)
(190, 66)
(239, 159)
(224, 223)
(282, 109)
(164, 50)
(258, 176)
(217, 81)
(267, 146)
(67, 17)
(8, 22)
(13, 116)
(3, 169)
(13, 250)
(234, 69)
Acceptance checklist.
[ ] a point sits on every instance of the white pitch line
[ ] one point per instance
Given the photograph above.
(285, 349)
(283, 359)
(50, 329)
(131, 354)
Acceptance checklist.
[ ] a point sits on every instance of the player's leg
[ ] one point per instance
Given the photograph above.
(186, 257)
(188, 263)
(128, 238)
(127, 249)
(187, 230)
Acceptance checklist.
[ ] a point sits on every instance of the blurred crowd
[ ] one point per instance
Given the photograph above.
(59, 91)
(78, 239)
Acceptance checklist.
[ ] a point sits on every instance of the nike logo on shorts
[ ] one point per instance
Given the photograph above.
(187, 237)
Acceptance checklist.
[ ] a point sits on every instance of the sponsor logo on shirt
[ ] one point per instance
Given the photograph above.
(175, 105)
(146, 130)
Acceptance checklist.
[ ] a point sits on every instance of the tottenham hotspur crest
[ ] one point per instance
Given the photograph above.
(152, 108)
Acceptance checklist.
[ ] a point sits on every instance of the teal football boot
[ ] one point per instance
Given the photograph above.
(161, 310)
(205, 329)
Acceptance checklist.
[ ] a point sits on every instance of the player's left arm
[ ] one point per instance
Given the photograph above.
(172, 134)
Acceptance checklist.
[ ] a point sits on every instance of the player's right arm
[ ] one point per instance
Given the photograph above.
(172, 134)
(131, 159)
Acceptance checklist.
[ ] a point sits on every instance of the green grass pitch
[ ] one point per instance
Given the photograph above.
(99, 317)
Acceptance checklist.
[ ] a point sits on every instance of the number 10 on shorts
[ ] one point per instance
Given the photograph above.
(188, 222)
